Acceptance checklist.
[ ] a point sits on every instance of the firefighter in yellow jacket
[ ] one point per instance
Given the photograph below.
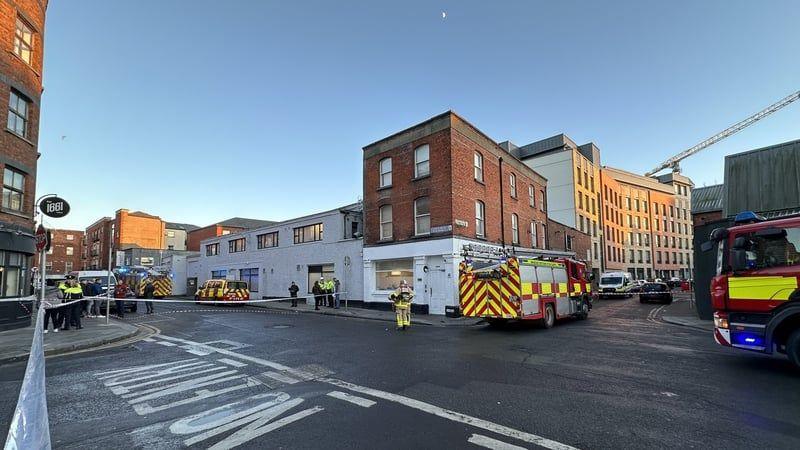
(401, 299)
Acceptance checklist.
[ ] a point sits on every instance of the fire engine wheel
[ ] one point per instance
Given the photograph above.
(793, 348)
(583, 312)
(549, 318)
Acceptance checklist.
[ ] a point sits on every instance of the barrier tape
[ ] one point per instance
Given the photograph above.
(30, 427)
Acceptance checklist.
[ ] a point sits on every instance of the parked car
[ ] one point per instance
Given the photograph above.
(637, 285)
(659, 292)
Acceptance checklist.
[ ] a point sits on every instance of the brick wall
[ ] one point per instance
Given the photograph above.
(581, 242)
(97, 239)
(140, 229)
(194, 237)
(703, 218)
(59, 261)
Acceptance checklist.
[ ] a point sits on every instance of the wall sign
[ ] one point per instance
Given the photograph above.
(54, 207)
(441, 229)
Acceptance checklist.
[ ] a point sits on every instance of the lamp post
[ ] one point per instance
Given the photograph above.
(43, 256)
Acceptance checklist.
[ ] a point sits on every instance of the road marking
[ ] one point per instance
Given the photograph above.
(119, 390)
(257, 429)
(149, 340)
(202, 394)
(281, 377)
(138, 376)
(166, 344)
(114, 372)
(360, 401)
(406, 401)
(494, 444)
(231, 362)
(195, 351)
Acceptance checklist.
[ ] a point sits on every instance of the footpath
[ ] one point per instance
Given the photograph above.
(370, 314)
(15, 345)
(681, 312)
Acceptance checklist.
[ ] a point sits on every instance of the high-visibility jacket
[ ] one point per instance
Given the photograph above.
(329, 286)
(73, 292)
(402, 297)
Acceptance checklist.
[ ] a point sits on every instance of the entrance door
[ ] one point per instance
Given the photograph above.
(436, 288)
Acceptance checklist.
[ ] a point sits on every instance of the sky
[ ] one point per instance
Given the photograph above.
(199, 110)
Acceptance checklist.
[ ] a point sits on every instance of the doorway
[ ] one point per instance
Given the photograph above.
(435, 289)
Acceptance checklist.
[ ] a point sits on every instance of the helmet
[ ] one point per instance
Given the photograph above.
(404, 283)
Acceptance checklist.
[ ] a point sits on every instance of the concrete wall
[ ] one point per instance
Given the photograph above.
(557, 168)
(279, 266)
(177, 241)
(177, 265)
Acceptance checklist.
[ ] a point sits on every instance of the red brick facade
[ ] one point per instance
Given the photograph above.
(96, 242)
(565, 238)
(705, 217)
(65, 252)
(451, 187)
(194, 237)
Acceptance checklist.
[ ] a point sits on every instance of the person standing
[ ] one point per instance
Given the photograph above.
(53, 314)
(293, 294)
(86, 291)
(149, 291)
(318, 292)
(336, 286)
(402, 298)
(96, 289)
(120, 292)
(329, 291)
(74, 292)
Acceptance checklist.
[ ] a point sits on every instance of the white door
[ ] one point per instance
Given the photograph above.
(436, 285)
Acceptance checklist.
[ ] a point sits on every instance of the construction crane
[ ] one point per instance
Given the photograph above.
(673, 162)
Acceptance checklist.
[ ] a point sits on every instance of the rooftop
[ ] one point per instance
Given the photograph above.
(180, 226)
(707, 199)
(242, 222)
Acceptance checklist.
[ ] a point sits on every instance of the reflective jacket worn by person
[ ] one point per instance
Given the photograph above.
(73, 293)
(402, 296)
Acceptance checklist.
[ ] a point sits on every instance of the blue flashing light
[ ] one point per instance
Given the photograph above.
(748, 217)
(748, 339)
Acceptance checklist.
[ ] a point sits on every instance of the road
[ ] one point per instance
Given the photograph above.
(254, 378)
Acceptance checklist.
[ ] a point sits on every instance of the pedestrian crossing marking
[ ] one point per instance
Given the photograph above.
(231, 362)
(281, 377)
(354, 399)
(166, 344)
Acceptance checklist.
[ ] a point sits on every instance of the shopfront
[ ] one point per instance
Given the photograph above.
(16, 250)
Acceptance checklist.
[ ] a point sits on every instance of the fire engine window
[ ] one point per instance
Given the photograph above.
(544, 274)
(527, 274)
(560, 275)
(777, 252)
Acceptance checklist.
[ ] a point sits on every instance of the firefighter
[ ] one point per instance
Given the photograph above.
(402, 299)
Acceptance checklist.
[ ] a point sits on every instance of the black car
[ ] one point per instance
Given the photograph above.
(655, 292)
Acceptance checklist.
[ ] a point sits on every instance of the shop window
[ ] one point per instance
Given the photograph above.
(389, 273)
(251, 277)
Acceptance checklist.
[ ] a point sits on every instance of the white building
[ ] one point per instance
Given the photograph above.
(302, 250)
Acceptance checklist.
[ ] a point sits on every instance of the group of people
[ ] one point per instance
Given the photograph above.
(326, 293)
(73, 308)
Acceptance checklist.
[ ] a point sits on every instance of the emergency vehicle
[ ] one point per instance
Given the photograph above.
(524, 288)
(755, 292)
(137, 277)
(221, 291)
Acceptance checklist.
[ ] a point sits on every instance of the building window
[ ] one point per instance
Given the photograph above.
(251, 277)
(580, 201)
(23, 41)
(542, 206)
(13, 189)
(236, 245)
(422, 164)
(170, 233)
(592, 185)
(385, 172)
(534, 236)
(422, 216)
(512, 180)
(568, 243)
(532, 196)
(70, 237)
(594, 206)
(18, 114)
(267, 240)
(480, 219)
(585, 179)
(217, 274)
(70, 250)
(389, 273)
(386, 221)
(478, 167)
(514, 229)
(544, 236)
(212, 249)
(68, 266)
(308, 233)
(595, 255)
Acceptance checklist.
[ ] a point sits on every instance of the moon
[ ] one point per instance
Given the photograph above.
(444, 15)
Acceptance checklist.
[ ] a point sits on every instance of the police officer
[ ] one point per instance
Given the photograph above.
(318, 290)
(72, 293)
(329, 291)
(293, 294)
(402, 298)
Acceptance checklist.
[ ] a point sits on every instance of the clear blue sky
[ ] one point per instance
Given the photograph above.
(199, 110)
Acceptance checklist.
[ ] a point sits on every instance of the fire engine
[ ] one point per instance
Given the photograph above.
(514, 287)
(755, 292)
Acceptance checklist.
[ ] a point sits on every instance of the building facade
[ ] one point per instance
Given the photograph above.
(64, 254)
(573, 185)
(646, 221)
(96, 243)
(233, 225)
(567, 239)
(707, 204)
(22, 35)
(269, 258)
(176, 235)
(431, 189)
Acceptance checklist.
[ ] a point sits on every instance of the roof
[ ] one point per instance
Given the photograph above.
(557, 143)
(180, 226)
(707, 199)
(241, 222)
(638, 180)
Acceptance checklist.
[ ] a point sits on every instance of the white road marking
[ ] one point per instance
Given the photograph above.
(113, 373)
(231, 362)
(281, 377)
(119, 390)
(166, 344)
(139, 375)
(258, 428)
(162, 391)
(145, 409)
(149, 340)
(494, 444)
(195, 351)
(360, 401)
(406, 401)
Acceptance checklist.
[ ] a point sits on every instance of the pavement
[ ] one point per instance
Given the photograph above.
(682, 313)
(247, 377)
(16, 344)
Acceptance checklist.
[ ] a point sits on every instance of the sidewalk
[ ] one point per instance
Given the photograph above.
(370, 314)
(682, 313)
(15, 345)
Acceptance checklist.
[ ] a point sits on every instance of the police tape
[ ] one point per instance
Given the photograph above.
(51, 302)
(30, 426)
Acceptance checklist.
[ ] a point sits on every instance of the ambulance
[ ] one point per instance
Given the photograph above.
(217, 291)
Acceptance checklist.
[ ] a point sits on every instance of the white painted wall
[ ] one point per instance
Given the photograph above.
(178, 271)
(558, 168)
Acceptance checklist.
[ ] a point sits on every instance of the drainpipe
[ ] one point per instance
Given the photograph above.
(502, 210)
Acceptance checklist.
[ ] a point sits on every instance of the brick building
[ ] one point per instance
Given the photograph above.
(64, 255)
(707, 204)
(564, 238)
(21, 36)
(233, 225)
(432, 188)
(96, 242)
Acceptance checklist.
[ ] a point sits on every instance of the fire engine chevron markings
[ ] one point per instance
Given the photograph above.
(360, 401)
(487, 442)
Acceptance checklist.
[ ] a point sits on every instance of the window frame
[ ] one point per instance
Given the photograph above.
(261, 240)
(417, 161)
(383, 222)
(477, 167)
(514, 229)
(17, 115)
(234, 247)
(512, 183)
(384, 174)
(317, 231)
(480, 219)
(13, 189)
(212, 249)
(21, 43)
(417, 216)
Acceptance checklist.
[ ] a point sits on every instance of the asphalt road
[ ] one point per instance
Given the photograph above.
(224, 377)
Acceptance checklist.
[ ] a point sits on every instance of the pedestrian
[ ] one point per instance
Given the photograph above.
(149, 290)
(402, 299)
(293, 294)
(120, 292)
(53, 314)
(329, 291)
(318, 292)
(96, 289)
(336, 286)
(86, 291)
(74, 292)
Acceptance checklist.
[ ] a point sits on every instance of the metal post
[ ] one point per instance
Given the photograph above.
(108, 281)
(43, 273)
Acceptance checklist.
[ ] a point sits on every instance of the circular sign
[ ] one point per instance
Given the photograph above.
(41, 238)
(54, 207)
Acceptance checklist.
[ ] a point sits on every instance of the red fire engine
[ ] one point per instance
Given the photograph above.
(524, 288)
(755, 292)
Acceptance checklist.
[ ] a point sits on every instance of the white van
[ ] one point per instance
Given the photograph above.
(615, 285)
(91, 275)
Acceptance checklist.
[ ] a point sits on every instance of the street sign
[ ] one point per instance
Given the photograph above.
(54, 207)
(41, 238)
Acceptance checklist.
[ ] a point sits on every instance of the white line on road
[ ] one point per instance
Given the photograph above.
(166, 344)
(281, 377)
(360, 401)
(406, 401)
(494, 444)
(231, 362)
